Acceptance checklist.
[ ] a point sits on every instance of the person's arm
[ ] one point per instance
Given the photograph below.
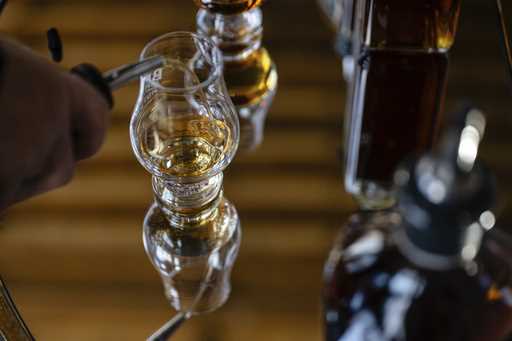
(49, 120)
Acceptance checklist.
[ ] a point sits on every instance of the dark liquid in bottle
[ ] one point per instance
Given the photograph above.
(228, 7)
(418, 24)
(372, 292)
(400, 112)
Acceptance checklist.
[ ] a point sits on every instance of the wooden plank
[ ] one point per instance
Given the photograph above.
(299, 145)
(111, 189)
(94, 246)
(133, 312)
(324, 106)
(111, 18)
(280, 146)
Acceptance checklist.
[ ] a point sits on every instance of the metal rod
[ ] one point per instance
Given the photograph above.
(168, 329)
(122, 75)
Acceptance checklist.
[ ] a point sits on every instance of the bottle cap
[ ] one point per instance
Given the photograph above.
(444, 193)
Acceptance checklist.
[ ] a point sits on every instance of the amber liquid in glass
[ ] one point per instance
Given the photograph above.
(418, 24)
(228, 7)
(183, 144)
(401, 100)
(250, 79)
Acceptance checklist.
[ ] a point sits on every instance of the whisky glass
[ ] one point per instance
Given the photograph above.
(184, 127)
(185, 131)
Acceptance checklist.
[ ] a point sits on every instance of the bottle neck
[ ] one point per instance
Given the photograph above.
(189, 204)
(238, 36)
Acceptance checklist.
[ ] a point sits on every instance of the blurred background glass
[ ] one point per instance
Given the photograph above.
(74, 258)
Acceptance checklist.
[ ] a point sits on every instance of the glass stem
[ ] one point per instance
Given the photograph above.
(188, 204)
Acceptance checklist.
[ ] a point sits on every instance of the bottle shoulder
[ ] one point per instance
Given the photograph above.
(372, 287)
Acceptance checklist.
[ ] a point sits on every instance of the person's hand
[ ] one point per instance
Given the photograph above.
(49, 120)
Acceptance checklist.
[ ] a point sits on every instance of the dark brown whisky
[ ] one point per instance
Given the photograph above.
(406, 24)
(397, 102)
(228, 7)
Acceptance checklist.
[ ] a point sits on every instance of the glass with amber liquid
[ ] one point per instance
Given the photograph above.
(228, 7)
(394, 112)
(185, 131)
(426, 270)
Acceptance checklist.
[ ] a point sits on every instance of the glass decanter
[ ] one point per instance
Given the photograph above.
(425, 270)
(185, 131)
(250, 73)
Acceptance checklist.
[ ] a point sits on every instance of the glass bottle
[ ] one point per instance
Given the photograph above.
(228, 7)
(185, 131)
(425, 270)
(425, 25)
(250, 73)
(393, 111)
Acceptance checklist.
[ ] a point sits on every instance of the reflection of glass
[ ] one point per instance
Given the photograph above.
(249, 71)
(194, 258)
(185, 131)
(395, 112)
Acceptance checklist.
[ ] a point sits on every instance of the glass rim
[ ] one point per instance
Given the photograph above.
(217, 61)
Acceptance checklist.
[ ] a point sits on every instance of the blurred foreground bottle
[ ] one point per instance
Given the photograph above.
(424, 271)
(185, 131)
(250, 74)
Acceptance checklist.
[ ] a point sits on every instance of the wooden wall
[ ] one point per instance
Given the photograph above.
(74, 258)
